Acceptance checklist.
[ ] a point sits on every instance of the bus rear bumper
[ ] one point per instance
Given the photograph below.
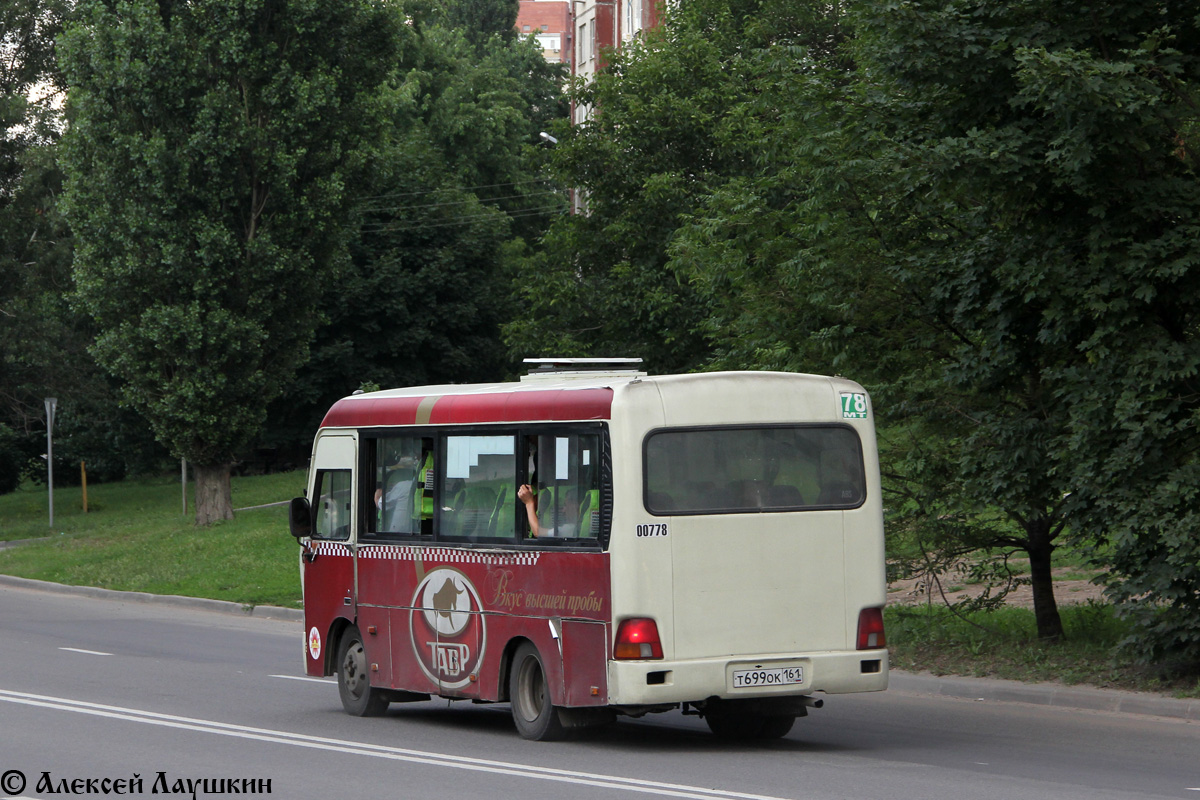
(638, 683)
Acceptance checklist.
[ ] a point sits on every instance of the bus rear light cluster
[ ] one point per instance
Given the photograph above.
(870, 629)
(637, 639)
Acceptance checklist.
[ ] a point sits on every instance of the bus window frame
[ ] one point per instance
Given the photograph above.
(318, 487)
(368, 452)
(749, 426)
(440, 465)
(604, 477)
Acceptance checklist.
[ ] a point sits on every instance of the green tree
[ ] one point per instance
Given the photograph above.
(453, 196)
(1049, 150)
(991, 217)
(209, 155)
(30, 83)
(659, 139)
(43, 342)
(479, 21)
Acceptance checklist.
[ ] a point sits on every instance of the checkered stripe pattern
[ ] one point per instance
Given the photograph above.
(322, 548)
(448, 556)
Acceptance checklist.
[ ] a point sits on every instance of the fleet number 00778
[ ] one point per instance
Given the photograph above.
(652, 529)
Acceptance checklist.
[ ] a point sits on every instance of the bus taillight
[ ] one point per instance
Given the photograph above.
(637, 639)
(870, 629)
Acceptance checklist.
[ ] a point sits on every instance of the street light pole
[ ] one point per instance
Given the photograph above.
(51, 403)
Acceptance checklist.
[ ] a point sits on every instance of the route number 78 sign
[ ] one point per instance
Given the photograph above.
(854, 405)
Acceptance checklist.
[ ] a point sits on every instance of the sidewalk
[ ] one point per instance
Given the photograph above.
(979, 689)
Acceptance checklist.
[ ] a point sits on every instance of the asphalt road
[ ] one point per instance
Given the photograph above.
(99, 689)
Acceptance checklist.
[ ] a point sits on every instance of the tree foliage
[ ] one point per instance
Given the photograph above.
(661, 136)
(33, 262)
(1052, 148)
(478, 21)
(43, 341)
(990, 219)
(30, 82)
(209, 155)
(454, 196)
(985, 211)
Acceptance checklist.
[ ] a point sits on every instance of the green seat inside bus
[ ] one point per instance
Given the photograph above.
(503, 518)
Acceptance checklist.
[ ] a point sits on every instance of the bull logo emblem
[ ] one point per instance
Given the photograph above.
(448, 627)
(446, 602)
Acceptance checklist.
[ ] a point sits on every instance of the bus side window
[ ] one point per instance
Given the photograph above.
(333, 505)
(403, 499)
(478, 487)
(567, 470)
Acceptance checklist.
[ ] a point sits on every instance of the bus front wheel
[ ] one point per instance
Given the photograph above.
(354, 678)
(535, 716)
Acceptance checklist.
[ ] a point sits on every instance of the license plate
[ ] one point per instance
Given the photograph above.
(781, 676)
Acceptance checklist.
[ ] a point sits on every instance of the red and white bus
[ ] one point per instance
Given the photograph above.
(593, 541)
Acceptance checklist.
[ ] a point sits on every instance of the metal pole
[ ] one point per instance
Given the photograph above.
(51, 403)
(183, 470)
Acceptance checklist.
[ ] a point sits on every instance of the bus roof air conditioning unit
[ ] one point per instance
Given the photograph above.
(560, 368)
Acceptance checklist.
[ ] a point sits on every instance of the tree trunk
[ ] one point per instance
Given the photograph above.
(214, 498)
(1045, 607)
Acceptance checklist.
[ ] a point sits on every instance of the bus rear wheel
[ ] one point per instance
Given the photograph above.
(354, 678)
(749, 726)
(776, 727)
(535, 716)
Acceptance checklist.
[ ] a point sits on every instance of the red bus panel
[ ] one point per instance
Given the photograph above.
(549, 405)
(454, 615)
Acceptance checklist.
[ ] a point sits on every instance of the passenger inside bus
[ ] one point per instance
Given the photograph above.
(403, 496)
(396, 496)
(559, 515)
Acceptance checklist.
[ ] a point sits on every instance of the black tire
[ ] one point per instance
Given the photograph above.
(776, 727)
(536, 718)
(736, 726)
(359, 698)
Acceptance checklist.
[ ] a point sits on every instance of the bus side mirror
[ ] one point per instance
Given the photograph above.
(300, 518)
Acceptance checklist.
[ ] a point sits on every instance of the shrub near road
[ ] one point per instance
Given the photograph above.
(136, 538)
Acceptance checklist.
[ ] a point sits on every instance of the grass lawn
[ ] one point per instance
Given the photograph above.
(136, 538)
(1004, 644)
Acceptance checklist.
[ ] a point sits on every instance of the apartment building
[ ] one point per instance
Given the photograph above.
(550, 22)
(577, 32)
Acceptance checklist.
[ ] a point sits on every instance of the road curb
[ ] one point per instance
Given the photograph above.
(179, 601)
(1045, 694)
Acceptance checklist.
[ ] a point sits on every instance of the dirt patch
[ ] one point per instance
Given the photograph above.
(1067, 591)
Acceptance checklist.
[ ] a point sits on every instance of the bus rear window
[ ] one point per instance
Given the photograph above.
(738, 470)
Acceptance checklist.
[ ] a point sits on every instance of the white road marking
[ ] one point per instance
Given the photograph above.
(377, 751)
(85, 652)
(325, 681)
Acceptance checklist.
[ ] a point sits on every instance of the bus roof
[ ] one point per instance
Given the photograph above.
(547, 400)
(551, 397)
